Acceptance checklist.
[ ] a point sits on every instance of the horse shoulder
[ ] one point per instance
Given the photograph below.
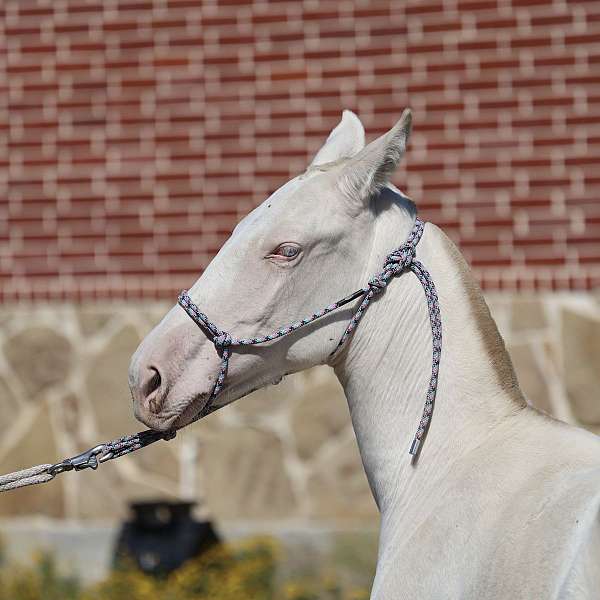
(564, 531)
(581, 579)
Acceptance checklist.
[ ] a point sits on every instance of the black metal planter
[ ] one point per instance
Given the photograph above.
(161, 537)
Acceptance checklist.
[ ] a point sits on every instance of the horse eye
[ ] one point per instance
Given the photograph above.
(287, 250)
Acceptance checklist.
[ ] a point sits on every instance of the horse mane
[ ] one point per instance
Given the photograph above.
(479, 311)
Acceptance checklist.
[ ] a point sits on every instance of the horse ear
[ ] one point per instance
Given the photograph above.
(369, 171)
(344, 141)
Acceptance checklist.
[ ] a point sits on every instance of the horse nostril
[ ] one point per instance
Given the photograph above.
(150, 389)
(154, 382)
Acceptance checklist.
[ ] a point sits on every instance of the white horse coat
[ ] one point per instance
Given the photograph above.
(503, 502)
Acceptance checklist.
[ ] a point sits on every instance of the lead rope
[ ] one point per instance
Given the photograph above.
(90, 459)
(398, 261)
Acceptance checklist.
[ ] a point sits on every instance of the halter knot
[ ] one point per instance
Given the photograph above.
(222, 341)
(401, 258)
(377, 284)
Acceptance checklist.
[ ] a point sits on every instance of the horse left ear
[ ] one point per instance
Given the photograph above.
(344, 141)
(368, 172)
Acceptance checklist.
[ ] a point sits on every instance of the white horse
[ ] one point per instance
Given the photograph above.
(503, 501)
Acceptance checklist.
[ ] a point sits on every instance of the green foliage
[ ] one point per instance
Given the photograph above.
(325, 587)
(242, 571)
(40, 582)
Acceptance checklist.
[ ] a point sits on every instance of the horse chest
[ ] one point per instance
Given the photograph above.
(493, 542)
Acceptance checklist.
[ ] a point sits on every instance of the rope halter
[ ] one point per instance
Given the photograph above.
(396, 262)
(400, 260)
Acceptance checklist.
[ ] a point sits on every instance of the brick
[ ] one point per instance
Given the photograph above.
(186, 91)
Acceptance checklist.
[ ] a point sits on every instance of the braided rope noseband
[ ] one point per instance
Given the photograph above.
(399, 260)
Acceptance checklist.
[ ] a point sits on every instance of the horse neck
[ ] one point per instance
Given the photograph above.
(385, 371)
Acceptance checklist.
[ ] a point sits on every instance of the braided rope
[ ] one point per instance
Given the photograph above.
(130, 443)
(89, 459)
(31, 476)
(399, 260)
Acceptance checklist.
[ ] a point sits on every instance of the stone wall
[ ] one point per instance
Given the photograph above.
(285, 453)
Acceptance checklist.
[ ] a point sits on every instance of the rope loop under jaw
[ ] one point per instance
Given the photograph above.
(397, 262)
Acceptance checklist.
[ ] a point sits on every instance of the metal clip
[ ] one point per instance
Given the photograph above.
(86, 460)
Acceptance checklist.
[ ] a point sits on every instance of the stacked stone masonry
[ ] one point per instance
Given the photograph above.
(284, 453)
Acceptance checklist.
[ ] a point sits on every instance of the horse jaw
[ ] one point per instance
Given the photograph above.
(249, 291)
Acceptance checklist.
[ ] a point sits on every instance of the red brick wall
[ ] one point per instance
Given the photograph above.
(136, 133)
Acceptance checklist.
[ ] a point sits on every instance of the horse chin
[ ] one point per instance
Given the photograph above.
(156, 422)
(190, 413)
(202, 403)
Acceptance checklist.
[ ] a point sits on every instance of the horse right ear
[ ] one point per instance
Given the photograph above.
(368, 172)
(344, 141)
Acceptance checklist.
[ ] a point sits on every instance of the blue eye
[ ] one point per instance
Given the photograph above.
(287, 250)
